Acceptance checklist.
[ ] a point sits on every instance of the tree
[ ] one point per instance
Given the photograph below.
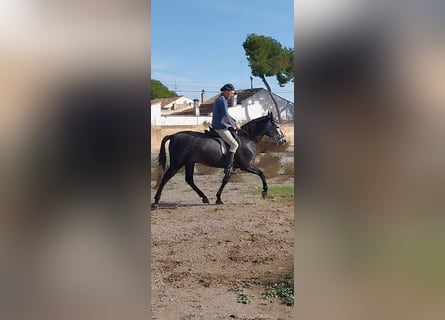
(268, 58)
(158, 90)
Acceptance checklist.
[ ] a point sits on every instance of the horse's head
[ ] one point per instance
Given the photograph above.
(266, 125)
(273, 130)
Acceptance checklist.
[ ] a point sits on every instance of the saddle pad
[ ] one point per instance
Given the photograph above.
(212, 133)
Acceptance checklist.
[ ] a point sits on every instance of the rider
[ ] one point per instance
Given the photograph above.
(221, 121)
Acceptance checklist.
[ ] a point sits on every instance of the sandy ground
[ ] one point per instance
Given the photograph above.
(200, 252)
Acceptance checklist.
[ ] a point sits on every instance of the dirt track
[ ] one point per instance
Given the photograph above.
(199, 252)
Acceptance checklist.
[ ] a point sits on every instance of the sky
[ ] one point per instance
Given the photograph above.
(197, 44)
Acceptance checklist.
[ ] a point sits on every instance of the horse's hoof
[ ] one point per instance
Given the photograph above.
(219, 201)
(205, 200)
(264, 194)
(154, 206)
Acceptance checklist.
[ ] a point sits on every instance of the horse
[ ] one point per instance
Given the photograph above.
(189, 147)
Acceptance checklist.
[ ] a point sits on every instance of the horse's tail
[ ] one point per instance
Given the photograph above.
(162, 160)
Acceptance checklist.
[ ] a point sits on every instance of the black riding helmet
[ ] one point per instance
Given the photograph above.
(227, 87)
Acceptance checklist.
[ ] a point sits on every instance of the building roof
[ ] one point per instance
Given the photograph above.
(165, 101)
(207, 107)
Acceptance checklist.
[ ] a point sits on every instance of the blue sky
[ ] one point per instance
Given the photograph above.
(197, 44)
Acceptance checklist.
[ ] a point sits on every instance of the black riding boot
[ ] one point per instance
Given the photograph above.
(229, 165)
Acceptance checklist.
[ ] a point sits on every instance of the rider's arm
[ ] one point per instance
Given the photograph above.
(228, 117)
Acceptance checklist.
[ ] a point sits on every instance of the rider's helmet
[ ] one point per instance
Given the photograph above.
(227, 87)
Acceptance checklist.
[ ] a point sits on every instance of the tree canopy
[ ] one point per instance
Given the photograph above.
(268, 58)
(158, 90)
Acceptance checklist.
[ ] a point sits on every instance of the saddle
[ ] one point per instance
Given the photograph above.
(211, 133)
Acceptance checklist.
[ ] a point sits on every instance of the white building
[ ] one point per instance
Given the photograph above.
(173, 104)
(155, 113)
(246, 105)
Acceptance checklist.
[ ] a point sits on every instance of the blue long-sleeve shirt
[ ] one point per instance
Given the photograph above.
(221, 118)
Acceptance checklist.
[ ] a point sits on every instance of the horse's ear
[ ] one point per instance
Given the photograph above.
(269, 114)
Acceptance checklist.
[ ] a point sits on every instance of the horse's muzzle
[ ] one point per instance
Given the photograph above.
(280, 140)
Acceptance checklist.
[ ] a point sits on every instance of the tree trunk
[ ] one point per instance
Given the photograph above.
(272, 97)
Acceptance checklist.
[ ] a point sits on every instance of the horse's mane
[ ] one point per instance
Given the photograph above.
(253, 122)
(250, 129)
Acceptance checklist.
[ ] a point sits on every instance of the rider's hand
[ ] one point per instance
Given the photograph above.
(237, 126)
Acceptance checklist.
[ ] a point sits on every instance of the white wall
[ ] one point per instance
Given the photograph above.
(242, 113)
(157, 119)
(259, 105)
(156, 114)
(184, 120)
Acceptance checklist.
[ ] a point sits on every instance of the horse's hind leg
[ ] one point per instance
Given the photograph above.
(189, 170)
(224, 182)
(167, 176)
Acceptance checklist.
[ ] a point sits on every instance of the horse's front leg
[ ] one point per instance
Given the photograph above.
(224, 182)
(260, 173)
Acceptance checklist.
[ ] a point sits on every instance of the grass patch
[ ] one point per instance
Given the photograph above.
(242, 297)
(282, 193)
(282, 289)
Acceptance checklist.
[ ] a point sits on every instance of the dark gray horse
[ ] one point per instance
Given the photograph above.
(189, 147)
